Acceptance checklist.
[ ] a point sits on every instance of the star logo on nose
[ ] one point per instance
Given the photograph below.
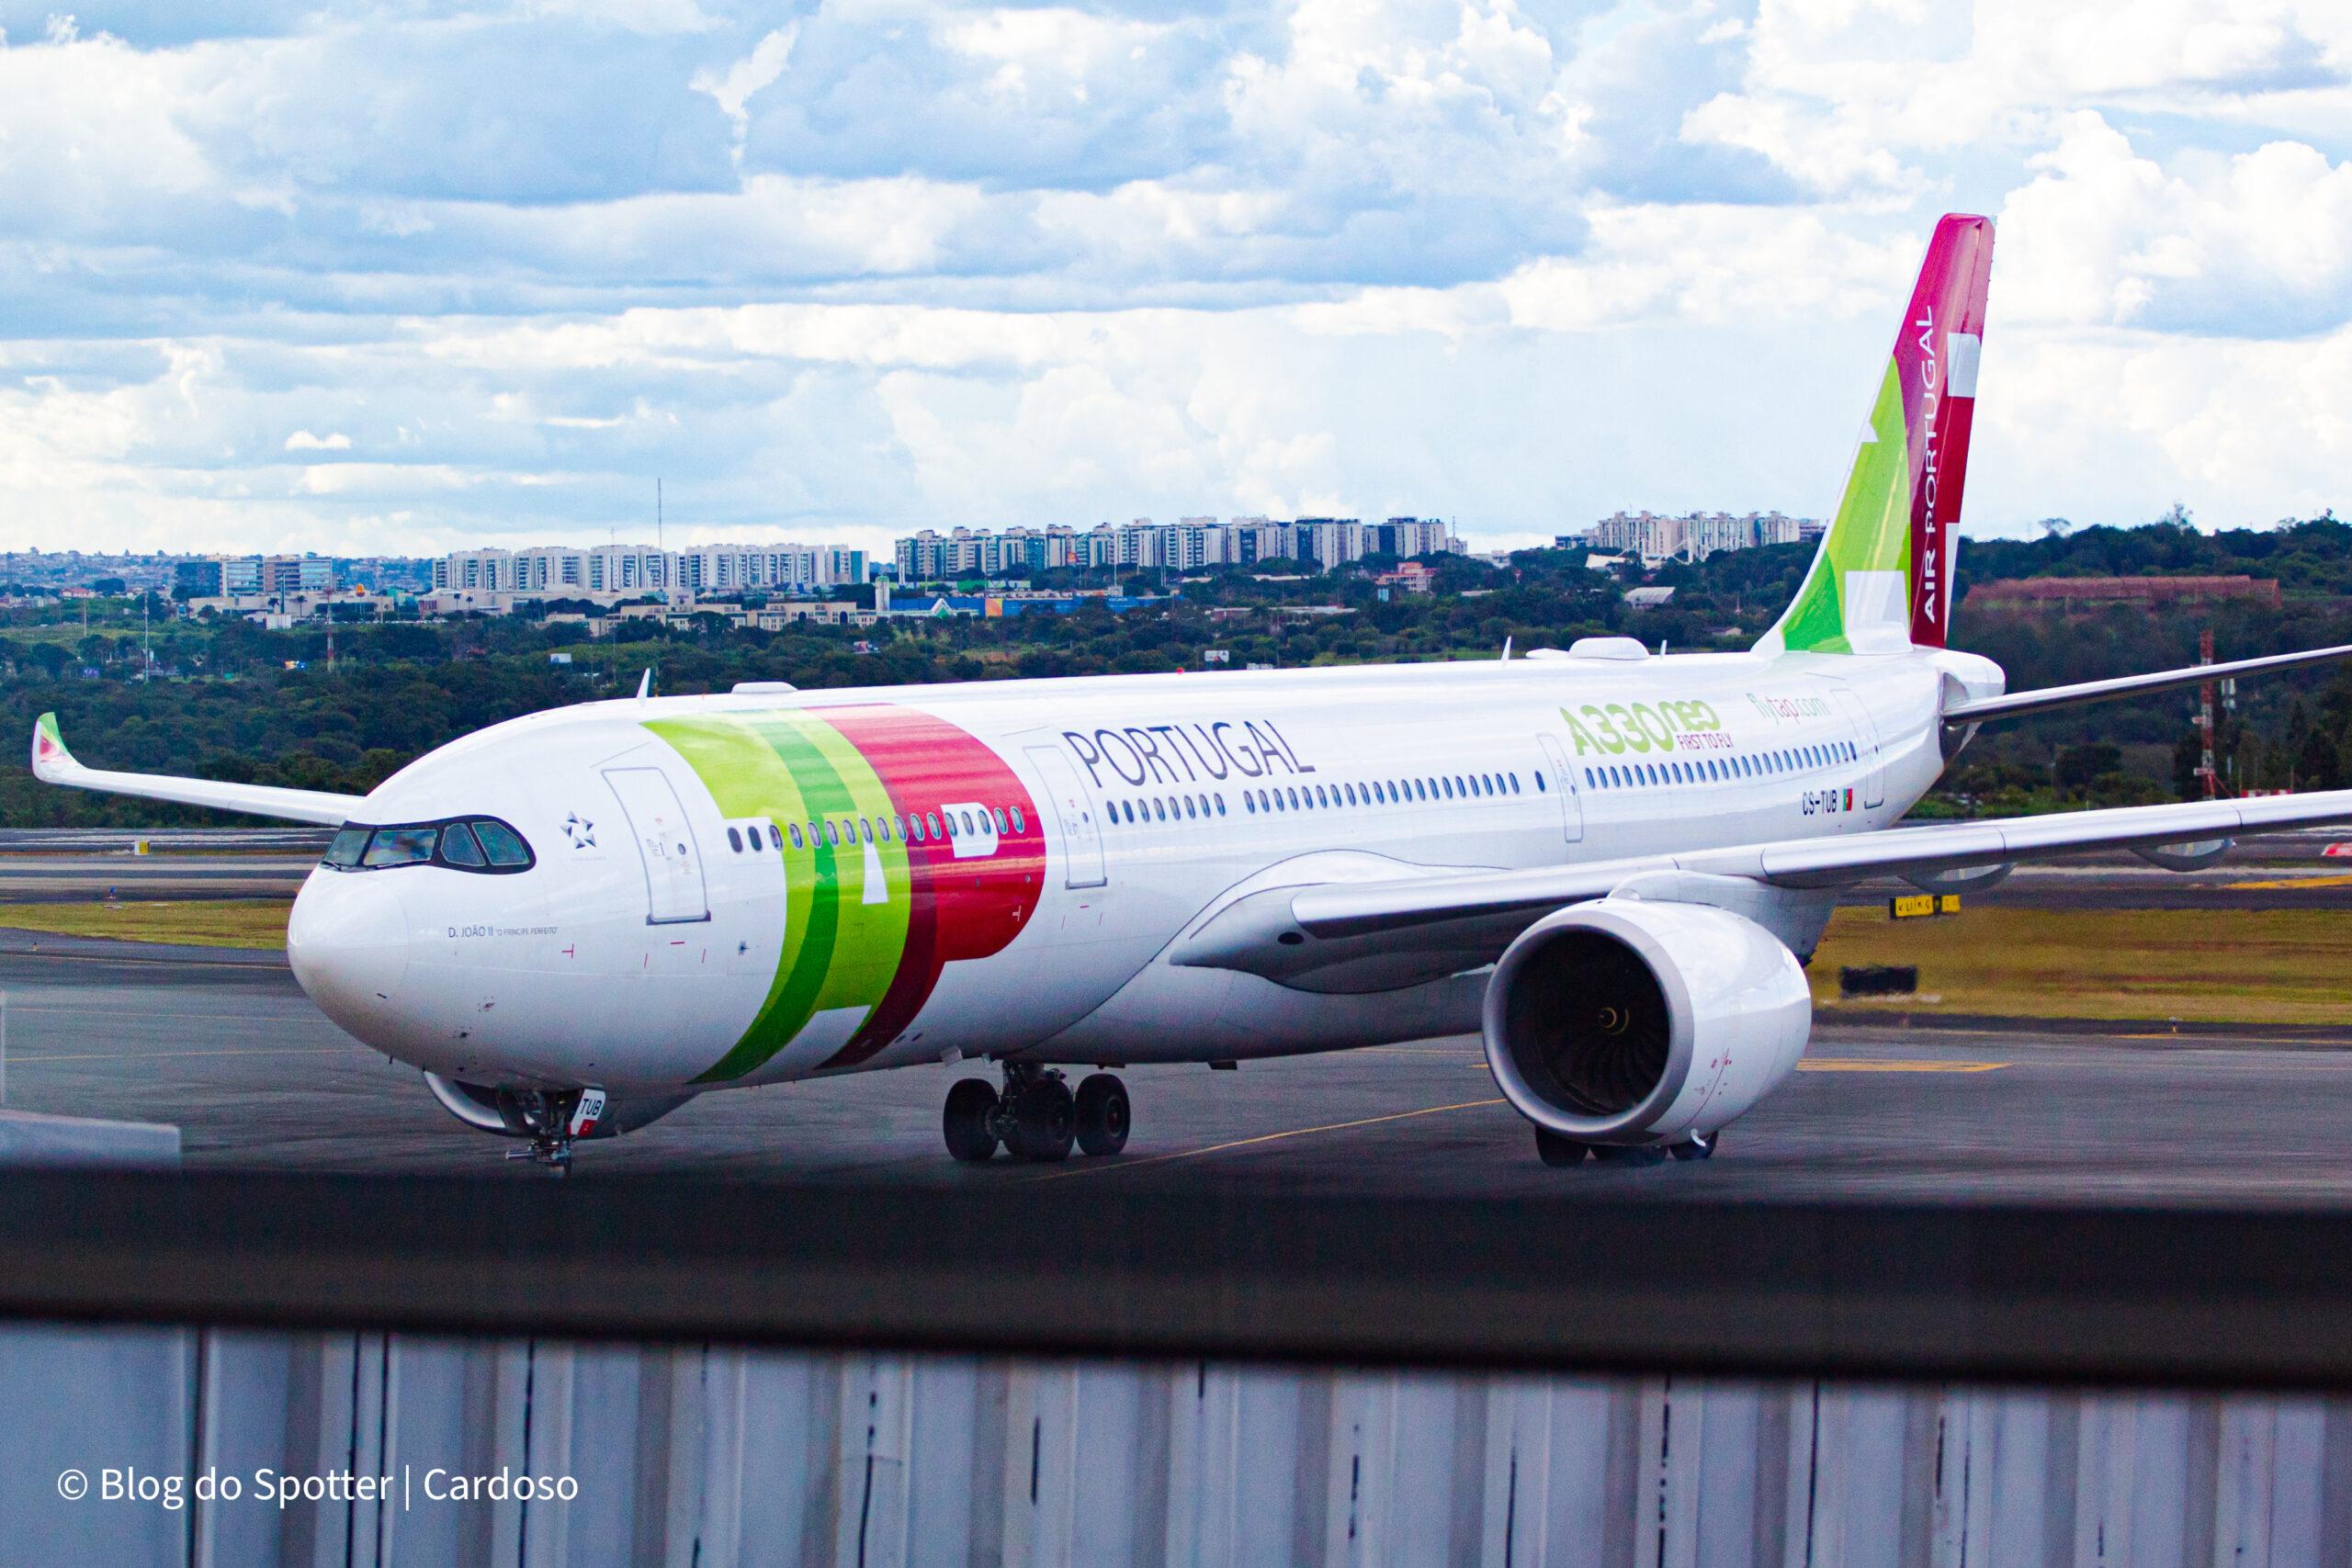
(580, 831)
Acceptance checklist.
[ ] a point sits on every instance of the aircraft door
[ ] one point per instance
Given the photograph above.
(674, 881)
(1866, 743)
(1563, 784)
(1082, 837)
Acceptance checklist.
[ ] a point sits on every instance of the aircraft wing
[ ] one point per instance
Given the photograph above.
(1368, 935)
(52, 763)
(2017, 704)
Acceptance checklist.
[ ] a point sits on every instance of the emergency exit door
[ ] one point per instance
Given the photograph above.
(674, 881)
(1563, 784)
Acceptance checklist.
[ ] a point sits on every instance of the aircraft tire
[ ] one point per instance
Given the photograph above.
(1104, 1117)
(1556, 1151)
(971, 1103)
(1629, 1154)
(1045, 1120)
(1696, 1147)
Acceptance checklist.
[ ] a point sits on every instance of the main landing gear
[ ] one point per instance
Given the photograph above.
(1555, 1150)
(1036, 1117)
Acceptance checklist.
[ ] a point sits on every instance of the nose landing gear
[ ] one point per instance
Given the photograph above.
(552, 1120)
(551, 1150)
(1036, 1117)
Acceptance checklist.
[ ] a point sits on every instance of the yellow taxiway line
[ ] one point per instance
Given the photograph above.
(1265, 1138)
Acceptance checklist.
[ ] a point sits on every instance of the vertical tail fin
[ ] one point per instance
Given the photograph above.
(1882, 579)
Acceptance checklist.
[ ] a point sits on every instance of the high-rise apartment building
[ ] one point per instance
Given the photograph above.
(1188, 544)
(632, 570)
(250, 575)
(1696, 535)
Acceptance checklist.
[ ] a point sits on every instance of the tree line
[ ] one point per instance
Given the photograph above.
(340, 709)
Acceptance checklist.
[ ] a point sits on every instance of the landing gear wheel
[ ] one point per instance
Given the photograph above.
(971, 1104)
(1556, 1151)
(1101, 1115)
(545, 1118)
(1697, 1147)
(1044, 1120)
(1626, 1154)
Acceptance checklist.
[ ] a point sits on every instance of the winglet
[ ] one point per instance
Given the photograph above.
(51, 758)
(645, 683)
(52, 763)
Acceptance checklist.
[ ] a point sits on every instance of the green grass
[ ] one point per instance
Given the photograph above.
(2206, 965)
(218, 922)
(2203, 966)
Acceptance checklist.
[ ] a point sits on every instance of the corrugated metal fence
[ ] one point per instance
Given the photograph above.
(707, 1457)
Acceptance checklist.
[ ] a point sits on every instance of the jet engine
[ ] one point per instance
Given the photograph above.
(1629, 1020)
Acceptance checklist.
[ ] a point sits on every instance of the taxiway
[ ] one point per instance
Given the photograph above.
(223, 1043)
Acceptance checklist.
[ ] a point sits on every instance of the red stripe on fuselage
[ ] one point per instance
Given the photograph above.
(959, 909)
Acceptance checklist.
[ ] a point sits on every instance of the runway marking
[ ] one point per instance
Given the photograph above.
(1864, 1065)
(2312, 1053)
(2230, 1042)
(2288, 882)
(155, 1013)
(131, 958)
(157, 1056)
(1267, 1138)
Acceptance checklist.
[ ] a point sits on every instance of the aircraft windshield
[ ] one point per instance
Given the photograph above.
(479, 844)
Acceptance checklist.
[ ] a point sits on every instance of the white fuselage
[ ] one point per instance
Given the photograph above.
(647, 956)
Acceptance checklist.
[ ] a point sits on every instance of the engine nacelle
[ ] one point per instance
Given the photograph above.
(1631, 1021)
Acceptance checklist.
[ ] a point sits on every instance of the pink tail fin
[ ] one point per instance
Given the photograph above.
(1936, 355)
(1882, 579)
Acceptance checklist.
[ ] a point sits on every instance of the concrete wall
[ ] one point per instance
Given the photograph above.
(713, 1457)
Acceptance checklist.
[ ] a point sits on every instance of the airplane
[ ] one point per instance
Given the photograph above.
(1610, 864)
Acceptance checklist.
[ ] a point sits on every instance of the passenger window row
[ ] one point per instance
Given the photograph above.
(1319, 798)
(832, 832)
(481, 844)
(1165, 807)
(1720, 769)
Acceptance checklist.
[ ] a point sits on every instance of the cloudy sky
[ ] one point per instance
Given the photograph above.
(405, 278)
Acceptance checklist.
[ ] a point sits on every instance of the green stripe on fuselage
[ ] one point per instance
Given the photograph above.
(838, 951)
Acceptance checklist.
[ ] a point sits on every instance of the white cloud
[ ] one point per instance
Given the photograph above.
(746, 76)
(2252, 244)
(634, 16)
(933, 261)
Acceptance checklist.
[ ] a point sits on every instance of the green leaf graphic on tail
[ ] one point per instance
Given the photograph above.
(1871, 533)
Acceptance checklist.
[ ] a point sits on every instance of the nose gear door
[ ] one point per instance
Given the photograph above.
(674, 882)
(1563, 786)
(1082, 839)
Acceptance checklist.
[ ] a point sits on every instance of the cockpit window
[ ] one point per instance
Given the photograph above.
(482, 845)
(504, 846)
(400, 846)
(457, 846)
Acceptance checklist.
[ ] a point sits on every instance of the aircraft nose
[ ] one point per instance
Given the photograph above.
(347, 940)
